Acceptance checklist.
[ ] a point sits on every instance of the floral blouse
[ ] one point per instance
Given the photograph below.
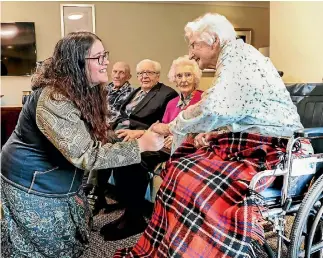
(247, 95)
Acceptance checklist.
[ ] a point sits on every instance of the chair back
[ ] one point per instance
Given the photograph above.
(308, 98)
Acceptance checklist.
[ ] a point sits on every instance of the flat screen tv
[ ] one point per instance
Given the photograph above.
(18, 48)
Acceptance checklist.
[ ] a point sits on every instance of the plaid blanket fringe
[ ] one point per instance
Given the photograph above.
(204, 207)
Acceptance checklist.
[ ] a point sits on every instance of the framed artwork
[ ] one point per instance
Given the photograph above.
(77, 17)
(208, 71)
(245, 35)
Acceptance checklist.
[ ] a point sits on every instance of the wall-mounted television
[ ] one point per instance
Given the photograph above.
(18, 48)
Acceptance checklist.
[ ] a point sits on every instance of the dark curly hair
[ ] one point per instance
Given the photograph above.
(66, 71)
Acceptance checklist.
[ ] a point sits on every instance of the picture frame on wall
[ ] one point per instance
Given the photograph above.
(245, 35)
(77, 17)
(206, 71)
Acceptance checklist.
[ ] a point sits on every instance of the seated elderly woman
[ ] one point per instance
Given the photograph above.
(203, 207)
(186, 74)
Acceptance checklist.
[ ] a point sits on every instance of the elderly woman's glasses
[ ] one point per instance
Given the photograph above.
(195, 44)
(192, 45)
(100, 58)
(180, 76)
(148, 73)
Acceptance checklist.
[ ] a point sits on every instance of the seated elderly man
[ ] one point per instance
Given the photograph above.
(117, 92)
(141, 109)
(119, 89)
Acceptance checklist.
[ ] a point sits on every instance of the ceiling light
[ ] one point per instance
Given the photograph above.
(75, 16)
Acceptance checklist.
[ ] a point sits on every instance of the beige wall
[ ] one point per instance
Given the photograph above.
(296, 40)
(130, 31)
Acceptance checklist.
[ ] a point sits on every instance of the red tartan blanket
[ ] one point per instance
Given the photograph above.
(203, 207)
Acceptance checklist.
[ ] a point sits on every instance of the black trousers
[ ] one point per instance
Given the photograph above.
(132, 181)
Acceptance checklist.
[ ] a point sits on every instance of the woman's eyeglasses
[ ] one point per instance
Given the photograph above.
(188, 76)
(100, 58)
(192, 45)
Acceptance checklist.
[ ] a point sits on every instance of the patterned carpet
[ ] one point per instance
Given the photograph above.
(100, 248)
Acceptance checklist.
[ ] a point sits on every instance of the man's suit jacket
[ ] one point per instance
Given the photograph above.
(150, 109)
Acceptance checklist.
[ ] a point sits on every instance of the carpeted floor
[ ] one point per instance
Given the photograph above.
(100, 248)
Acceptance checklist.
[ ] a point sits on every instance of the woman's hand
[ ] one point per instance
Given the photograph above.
(129, 135)
(168, 142)
(160, 128)
(200, 141)
(150, 141)
(203, 139)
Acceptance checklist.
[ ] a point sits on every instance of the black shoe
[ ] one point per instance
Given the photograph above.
(123, 227)
(96, 201)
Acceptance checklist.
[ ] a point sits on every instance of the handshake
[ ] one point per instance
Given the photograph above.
(158, 137)
(152, 139)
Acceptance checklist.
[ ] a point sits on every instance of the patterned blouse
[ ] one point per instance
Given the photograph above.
(176, 105)
(247, 95)
(60, 121)
(184, 101)
(116, 98)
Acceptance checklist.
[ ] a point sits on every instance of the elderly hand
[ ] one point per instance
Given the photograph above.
(168, 142)
(150, 141)
(160, 128)
(203, 139)
(129, 135)
(200, 141)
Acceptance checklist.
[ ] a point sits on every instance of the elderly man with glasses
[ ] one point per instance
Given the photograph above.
(141, 109)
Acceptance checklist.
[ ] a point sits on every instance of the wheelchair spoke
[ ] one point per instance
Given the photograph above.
(316, 208)
(307, 251)
(307, 237)
(313, 249)
(316, 233)
(318, 205)
(305, 234)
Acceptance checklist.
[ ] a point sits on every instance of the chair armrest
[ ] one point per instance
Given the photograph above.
(309, 132)
(260, 175)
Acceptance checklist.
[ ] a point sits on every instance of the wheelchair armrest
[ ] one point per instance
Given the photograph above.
(260, 175)
(309, 132)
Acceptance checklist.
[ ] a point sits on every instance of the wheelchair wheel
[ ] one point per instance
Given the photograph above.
(307, 231)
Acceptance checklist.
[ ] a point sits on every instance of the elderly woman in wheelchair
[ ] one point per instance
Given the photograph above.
(211, 203)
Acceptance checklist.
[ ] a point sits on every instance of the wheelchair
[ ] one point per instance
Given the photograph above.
(298, 188)
(304, 200)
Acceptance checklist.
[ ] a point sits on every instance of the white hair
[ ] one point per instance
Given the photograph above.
(210, 26)
(156, 65)
(182, 61)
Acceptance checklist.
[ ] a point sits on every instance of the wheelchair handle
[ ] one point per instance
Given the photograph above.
(315, 132)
